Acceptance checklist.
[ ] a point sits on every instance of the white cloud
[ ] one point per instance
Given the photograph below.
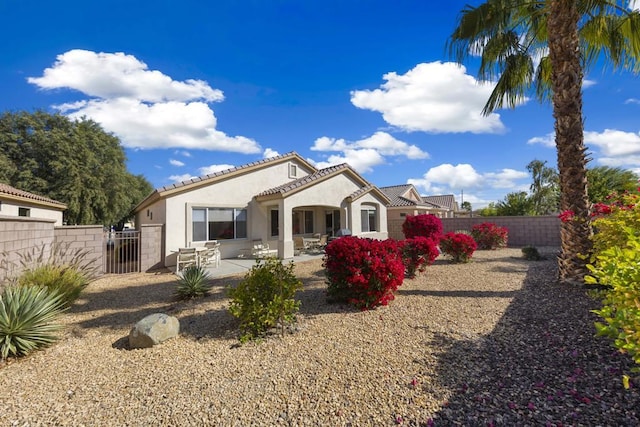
(175, 162)
(586, 83)
(632, 101)
(269, 152)
(614, 143)
(634, 4)
(432, 97)
(144, 108)
(505, 178)
(209, 170)
(182, 178)
(363, 154)
(362, 160)
(182, 153)
(548, 140)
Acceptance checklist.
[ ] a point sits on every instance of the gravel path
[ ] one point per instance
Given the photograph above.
(492, 342)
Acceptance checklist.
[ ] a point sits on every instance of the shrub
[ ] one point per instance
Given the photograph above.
(193, 283)
(425, 225)
(265, 298)
(614, 266)
(56, 268)
(26, 319)
(417, 253)
(363, 272)
(489, 236)
(459, 246)
(531, 253)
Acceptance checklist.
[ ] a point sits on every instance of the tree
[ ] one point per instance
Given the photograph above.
(543, 189)
(75, 162)
(466, 206)
(509, 35)
(515, 204)
(489, 210)
(604, 179)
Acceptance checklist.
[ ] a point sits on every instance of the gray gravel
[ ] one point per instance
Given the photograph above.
(492, 342)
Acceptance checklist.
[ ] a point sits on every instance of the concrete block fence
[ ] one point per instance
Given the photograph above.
(523, 230)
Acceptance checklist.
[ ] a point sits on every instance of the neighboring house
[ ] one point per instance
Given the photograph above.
(405, 200)
(18, 203)
(271, 200)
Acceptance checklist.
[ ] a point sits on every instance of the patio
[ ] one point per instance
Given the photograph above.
(231, 266)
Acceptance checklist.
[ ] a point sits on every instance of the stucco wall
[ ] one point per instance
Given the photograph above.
(11, 208)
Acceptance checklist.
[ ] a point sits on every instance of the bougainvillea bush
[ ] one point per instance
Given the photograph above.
(614, 265)
(489, 236)
(426, 225)
(363, 272)
(459, 246)
(417, 253)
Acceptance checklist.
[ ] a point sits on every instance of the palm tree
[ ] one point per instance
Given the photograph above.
(544, 188)
(543, 46)
(604, 179)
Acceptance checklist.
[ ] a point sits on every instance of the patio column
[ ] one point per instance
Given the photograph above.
(285, 237)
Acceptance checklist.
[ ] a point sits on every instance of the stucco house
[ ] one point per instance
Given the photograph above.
(19, 203)
(405, 200)
(271, 200)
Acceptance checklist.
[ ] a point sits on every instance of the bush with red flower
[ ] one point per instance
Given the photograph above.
(425, 225)
(459, 246)
(489, 235)
(363, 272)
(417, 253)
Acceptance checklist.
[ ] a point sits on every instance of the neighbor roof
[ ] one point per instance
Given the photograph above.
(12, 193)
(447, 201)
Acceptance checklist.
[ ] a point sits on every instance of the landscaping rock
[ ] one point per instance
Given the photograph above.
(152, 330)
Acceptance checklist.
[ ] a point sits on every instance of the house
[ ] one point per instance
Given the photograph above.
(405, 200)
(271, 200)
(18, 203)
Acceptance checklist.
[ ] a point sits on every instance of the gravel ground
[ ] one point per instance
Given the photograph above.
(492, 342)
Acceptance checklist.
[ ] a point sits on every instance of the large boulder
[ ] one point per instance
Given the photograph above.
(152, 330)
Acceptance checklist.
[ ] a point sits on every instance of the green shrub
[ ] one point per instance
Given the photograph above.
(193, 283)
(265, 298)
(67, 281)
(26, 319)
(531, 253)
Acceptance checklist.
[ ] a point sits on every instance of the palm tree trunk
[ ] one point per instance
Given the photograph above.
(566, 82)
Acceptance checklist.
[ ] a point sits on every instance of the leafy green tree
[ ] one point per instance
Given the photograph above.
(544, 188)
(75, 162)
(466, 206)
(515, 204)
(566, 36)
(604, 179)
(489, 210)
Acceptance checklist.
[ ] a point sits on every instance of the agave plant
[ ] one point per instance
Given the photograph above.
(27, 314)
(193, 283)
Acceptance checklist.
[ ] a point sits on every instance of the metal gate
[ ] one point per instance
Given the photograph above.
(121, 252)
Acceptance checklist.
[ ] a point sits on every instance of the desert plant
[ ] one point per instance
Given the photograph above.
(265, 298)
(425, 225)
(27, 314)
(489, 235)
(193, 283)
(363, 272)
(65, 280)
(417, 253)
(459, 246)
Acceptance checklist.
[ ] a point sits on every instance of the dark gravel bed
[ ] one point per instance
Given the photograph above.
(541, 366)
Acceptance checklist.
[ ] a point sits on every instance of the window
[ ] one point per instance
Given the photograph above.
(293, 171)
(275, 225)
(24, 212)
(368, 218)
(302, 222)
(218, 224)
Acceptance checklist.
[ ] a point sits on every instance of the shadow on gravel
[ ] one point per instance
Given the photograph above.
(541, 365)
(458, 294)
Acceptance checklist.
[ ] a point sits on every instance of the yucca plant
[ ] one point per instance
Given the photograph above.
(27, 315)
(193, 282)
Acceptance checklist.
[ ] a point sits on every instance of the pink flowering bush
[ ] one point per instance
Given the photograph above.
(425, 225)
(489, 236)
(459, 246)
(417, 253)
(363, 272)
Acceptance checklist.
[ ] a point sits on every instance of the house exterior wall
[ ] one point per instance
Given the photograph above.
(9, 207)
(233, 192)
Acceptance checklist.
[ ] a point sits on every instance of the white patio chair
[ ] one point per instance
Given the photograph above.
(210, 256)
(187, 257)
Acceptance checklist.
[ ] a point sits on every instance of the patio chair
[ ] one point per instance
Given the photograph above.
(299, 245)
(259, 249)
(187, 257)
(211, 255)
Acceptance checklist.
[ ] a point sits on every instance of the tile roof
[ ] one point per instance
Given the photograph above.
(11, 191)
(227, 171)
(447, 201)
(304, 181)
(395, 194)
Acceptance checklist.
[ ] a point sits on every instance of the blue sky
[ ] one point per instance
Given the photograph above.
(192, 87)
